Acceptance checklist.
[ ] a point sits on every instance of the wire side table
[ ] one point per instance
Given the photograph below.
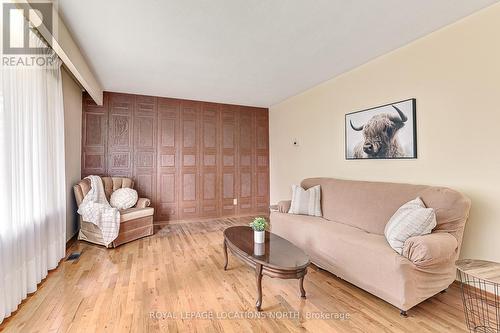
(480, 285)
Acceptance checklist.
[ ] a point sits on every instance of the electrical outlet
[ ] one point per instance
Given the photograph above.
(235, 201)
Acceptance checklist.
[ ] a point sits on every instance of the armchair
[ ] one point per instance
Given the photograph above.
(135, 222)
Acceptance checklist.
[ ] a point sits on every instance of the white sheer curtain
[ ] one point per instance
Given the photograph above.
(32, 180)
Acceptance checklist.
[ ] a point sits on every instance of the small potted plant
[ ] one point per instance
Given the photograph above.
(259, 225)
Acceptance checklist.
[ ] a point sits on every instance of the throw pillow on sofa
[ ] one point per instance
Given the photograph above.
(411, 219)
(306, 202)
(124, 198)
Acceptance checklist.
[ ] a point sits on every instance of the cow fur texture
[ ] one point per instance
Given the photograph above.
(380, 136)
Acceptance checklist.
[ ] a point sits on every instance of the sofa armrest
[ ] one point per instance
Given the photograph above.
(284, 206)
(430, 249)
(143, 203)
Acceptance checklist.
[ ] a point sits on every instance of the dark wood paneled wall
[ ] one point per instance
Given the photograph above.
(192, 159)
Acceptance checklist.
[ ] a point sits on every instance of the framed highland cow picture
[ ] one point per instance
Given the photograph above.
(383, 132)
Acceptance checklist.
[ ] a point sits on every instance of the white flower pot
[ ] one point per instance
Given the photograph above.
(259, 236)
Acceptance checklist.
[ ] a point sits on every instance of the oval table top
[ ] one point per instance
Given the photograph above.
(275, 252)
(480, 269)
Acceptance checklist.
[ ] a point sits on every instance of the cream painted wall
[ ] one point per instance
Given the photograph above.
(72, 94)
(454, 74)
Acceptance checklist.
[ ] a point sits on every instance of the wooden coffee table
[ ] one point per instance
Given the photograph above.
(276, 257)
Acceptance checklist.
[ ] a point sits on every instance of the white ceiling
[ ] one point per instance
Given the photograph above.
(250, 52)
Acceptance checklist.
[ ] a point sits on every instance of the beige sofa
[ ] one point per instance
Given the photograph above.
(349, 239)
(135, 222)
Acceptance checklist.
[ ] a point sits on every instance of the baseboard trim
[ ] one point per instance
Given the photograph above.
(207, 219)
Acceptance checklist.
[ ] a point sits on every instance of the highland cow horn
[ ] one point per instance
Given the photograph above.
(360, 128)
(401, 114)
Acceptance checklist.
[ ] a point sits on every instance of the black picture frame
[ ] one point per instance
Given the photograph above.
(351, 149)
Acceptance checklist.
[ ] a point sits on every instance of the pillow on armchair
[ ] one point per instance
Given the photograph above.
(124, 198)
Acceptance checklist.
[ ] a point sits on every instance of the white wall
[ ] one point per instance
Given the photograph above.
(454, 74)
(72, 95)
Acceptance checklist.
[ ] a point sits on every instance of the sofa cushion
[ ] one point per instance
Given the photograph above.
(135, 213)
(411, 219)
(306, 202)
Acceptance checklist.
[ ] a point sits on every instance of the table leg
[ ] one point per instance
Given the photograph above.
(301, 286)
(225, 255)
(258, 276)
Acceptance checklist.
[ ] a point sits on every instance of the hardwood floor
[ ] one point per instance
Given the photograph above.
(178, 272)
